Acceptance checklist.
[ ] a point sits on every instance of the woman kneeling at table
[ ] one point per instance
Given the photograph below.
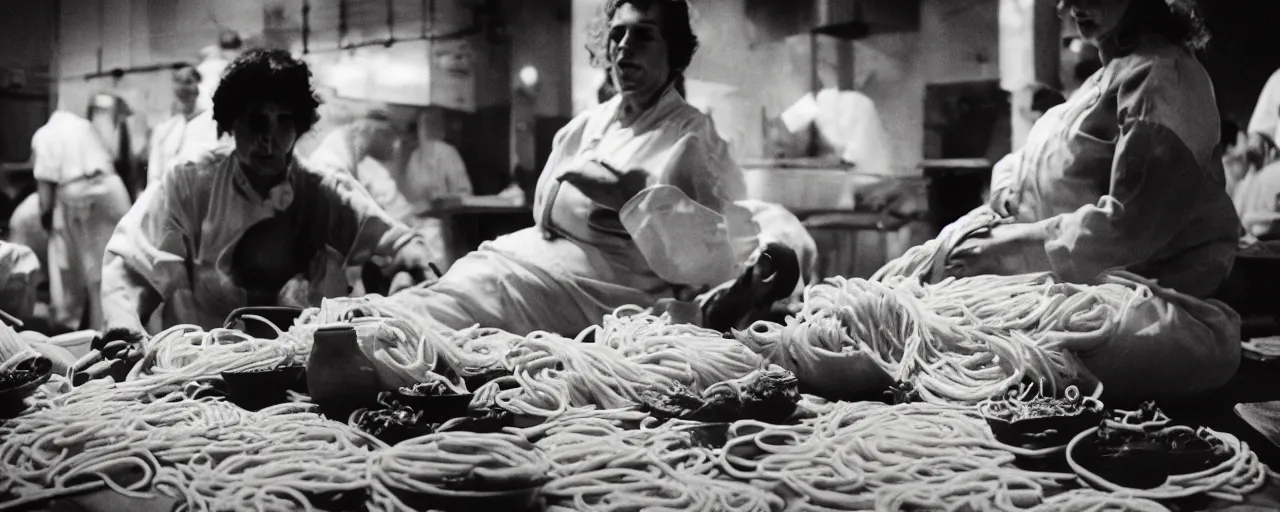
(231, 227)
(1125, 176)
(636, 204)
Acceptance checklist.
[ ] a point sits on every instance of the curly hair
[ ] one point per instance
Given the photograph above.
(1179, 21)
(260, 76)
(677, 31)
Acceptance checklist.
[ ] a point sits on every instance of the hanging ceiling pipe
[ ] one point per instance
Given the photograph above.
(426, 16)
(118, 73)
(342, 23)
(391, 23)
(306, 26)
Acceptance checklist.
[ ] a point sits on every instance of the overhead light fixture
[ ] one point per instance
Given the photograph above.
(529, 77)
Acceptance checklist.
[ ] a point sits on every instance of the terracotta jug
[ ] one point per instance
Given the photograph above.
(339, 376)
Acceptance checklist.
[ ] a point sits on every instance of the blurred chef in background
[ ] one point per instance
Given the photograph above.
(190, 129)
(110, 114)
(358, 149)
(436, 174)
(364, 149)
(82, 197)
(214, 60)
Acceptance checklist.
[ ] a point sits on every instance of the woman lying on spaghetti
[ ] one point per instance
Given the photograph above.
(640, 203)
(1124, 176)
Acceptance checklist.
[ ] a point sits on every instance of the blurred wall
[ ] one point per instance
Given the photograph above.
(27, 35)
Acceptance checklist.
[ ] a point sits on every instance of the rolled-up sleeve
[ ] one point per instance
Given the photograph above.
(354, 225)
(153, 239)
(1153, 173)
(48, 160)
(687, 225)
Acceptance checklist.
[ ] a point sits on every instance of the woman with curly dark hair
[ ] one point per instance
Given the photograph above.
(229, 227)
(1125, 176)
(636, 204)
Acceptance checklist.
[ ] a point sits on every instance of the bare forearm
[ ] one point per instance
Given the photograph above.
(47, 191)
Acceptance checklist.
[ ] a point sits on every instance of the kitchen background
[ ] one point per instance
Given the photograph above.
(948, 80)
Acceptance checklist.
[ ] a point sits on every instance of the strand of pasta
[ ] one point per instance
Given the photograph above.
(208, 453)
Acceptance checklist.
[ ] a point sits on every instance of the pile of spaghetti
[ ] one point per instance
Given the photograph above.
(556, 374)
(454, 464)
(185, 353)
(958, 341)
(547, 375)
(601, 466)
(207, 453)
(697, 358)
(868, 456)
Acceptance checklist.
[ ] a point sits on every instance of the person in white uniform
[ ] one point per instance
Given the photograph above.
(359, 149)
(1126, 176)
(81, 200)
(232, 226)
(190, 129)
(435, 171)
(214, 61)
(636, 204)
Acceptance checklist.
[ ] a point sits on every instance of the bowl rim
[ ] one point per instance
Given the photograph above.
(20, 392)
(1090, 405)
(1155, 493)
(282, 368)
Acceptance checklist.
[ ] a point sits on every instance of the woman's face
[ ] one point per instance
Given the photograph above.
(1095, 19)
(637, 51)
(265, 135)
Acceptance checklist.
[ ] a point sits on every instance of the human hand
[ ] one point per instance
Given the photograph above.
(411, 267)
(111, 354)
(604, 184)
(1007, 249)
(1260, 150)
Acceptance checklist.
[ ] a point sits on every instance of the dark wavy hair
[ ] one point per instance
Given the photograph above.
(677, 31)
(1179, 21)
(260, 76)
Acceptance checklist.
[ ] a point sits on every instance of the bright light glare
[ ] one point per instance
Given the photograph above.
(529, 76)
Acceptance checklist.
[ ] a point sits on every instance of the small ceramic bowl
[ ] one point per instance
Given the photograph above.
(255, 390)
(1044, 432)
(435, 409)
(35, 372)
